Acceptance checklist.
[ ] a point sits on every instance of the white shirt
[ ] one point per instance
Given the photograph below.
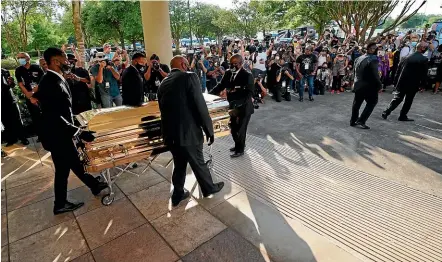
(406, 50)
(260, 61)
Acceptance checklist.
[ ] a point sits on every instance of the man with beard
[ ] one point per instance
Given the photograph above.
(55, 101)
(366, 87)
(78, 79)
(240, 88)
(132, 82)
(411, 74)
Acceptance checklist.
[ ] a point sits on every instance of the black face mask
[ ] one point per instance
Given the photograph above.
(140, 67)
(65, 68)
(233, 68)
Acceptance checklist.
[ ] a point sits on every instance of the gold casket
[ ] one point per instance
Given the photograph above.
(128, 134)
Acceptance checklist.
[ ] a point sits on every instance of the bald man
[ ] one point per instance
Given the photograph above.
(240, 87)
(184, 117)
(411, 74)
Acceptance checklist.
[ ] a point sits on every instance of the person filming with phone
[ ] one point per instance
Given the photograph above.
(106, 77)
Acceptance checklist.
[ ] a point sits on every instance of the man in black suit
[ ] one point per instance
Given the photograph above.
(240, 88)
(184, 116)
(55, 101)
(366, 87)
(11, 117)
(132, 81)
(411, 74)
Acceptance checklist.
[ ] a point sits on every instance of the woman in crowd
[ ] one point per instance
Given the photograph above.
(436, 62)
(347, 81)
(383, 67)
(339, 65)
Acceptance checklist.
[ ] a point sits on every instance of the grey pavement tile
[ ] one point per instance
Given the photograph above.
(138, 245)
(29, 193)
(230, 189)
(91, 202)
(130, 183)
(62, 242)
(282, 238)
(102, 225)
(227, 246)
(163, 159)
(5, 253)
(84, 258)
(4, 238)
(27, 176)
(3, 201)
(163, 171)
(154, 201)
(187, 227)
(30, 219)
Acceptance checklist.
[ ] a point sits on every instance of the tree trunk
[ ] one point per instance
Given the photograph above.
(76, 20)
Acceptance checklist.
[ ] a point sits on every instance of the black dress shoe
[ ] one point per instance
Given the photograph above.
(100, 187)
(405, 119)
(362, 126)
(384, 115)
(301, 99)
(25, 142)
(176, 200)
(218, 187)
(68, 207)
(237, 154)
(352, 124)
(311, 99)
(232, 149)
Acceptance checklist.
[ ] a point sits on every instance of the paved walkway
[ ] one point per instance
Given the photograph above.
(141, 225)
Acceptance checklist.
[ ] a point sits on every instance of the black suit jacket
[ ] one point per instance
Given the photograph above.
(8, 97)
(367, 76)
(239, 88)
(184, 112)
(132, 87)
(57, 121)
(411, 73)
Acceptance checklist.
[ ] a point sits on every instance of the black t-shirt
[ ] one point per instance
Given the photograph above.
(155, 78)
(225, 65)
(8, 97)
(29, 76)
(306, 63)
(271, 74)
(81, 100)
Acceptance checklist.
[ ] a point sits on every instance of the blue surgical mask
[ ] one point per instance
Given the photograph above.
(413, 44)
(22, 61)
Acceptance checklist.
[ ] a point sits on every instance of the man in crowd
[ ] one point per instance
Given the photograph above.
(106, 78)
(55, 101)
(240, 89)
(199, 66)
(214, 73)
(10, 114)
(283, 79)
(306, 67)
(411, 75)
(28, 76)
(132, 81)
(184, 117)
(78, 79)
(155, 73)
(366, 87)
(43, 64)
(107, 52)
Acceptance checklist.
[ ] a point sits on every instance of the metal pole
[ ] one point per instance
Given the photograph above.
(190, 24)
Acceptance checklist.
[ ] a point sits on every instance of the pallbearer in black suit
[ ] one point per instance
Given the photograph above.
(240, 88)
(133, 82)
(58, 130)
(184, 117)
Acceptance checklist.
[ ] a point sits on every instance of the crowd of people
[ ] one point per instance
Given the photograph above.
(283, 69)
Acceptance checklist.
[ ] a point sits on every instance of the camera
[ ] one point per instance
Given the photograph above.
(108, 62)
(155, 66)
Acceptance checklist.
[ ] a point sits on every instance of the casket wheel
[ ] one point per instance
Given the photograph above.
(107, 199)
(209, 164)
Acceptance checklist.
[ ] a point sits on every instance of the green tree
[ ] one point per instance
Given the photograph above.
(44, 34)
(178, 12)
(225, 22)
(201, 19)
(246, 17)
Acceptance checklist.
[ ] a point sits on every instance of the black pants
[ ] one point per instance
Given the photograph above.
(65, 158)
(194, 156)
(371, 98)
(398, 98)
(35, 116)
(337, 82)
(11, 120)
(238, 128)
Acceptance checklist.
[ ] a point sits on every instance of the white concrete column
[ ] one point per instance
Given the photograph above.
(156, 29)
